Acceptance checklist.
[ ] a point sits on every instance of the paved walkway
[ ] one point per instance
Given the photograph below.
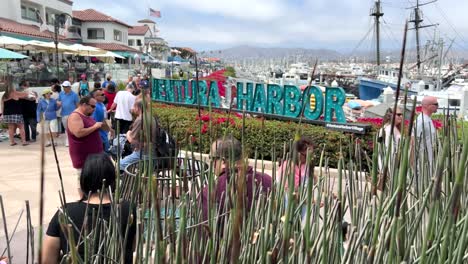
(20, 182)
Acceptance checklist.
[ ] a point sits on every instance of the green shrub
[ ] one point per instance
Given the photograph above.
(262, 136)
(120, 86)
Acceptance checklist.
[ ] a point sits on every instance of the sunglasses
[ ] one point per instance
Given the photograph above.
(399, 114)
(92, 106)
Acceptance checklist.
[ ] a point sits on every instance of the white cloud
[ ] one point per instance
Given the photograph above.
(250, 10)
(214, 35)
(299, 23)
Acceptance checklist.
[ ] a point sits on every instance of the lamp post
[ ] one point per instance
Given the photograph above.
(59, 19)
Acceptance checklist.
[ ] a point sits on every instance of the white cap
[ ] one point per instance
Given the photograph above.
(66, 84)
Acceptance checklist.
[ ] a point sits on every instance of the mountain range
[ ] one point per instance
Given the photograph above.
(309, 55)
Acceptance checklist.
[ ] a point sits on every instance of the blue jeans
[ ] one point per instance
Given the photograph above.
(132, 158)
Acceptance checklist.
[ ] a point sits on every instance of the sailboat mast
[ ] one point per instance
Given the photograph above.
(416, 19)
(376, 12)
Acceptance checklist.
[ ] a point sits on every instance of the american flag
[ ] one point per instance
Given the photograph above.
(155, 13)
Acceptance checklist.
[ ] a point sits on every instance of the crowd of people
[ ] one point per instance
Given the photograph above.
(88, 132)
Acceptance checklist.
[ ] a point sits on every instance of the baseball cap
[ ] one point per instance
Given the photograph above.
(66, 84)
(144, 84)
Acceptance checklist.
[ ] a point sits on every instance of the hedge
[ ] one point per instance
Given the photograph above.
(267, 138)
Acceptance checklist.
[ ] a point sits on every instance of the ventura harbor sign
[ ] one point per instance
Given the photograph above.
(287, 101)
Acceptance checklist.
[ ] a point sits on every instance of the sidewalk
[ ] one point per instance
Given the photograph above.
(20, 181)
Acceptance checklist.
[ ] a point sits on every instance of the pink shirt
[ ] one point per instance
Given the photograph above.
(299, 173)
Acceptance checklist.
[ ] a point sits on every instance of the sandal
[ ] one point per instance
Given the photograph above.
(13, 144)
(25, 144)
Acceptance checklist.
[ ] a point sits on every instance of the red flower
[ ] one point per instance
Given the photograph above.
(204, 129)
(438, 124)
(221, 120)
(204, 118)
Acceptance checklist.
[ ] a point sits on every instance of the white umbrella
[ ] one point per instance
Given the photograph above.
(84, 50)
(50, 46)
(14, 43)
(110, 54)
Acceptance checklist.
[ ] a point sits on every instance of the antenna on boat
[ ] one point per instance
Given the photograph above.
(376, 12)
(417, 19)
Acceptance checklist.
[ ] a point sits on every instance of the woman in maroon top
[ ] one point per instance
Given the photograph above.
(83, 133)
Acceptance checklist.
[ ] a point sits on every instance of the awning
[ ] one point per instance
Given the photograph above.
(125, 54)
(7, 54)
(14, 43)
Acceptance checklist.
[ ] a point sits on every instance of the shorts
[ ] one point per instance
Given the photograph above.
(52, 124)
(13, 119)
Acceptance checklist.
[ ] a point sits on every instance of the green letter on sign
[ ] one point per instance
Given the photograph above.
(274, 97)
(202, 93)
(317, 93)
(156, 92)
(259, 98)
(191, 93)
(244, 98)
(214, 94)
(292, 98)
(334, 99)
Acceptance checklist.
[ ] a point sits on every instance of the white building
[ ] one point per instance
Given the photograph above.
(144, 38)
(22, 18)
(102, 31)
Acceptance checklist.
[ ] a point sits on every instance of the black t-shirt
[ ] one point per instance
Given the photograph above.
(29, 108)
(76, 213)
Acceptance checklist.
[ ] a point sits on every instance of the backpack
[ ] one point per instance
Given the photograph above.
(165, 144)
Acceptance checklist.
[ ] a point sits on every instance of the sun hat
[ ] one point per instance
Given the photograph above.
(46, 91)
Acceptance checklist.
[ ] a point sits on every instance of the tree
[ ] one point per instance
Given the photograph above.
(230, 72)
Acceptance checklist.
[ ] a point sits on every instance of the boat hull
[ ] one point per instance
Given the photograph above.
(371, 89)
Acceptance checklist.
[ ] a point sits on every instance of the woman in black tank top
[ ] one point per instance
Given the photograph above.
(12, 113)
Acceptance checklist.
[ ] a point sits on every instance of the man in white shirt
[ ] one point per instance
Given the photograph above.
(424, 136)
(122, 105)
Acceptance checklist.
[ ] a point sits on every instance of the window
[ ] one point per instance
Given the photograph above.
(139, 42)
(117, 35)
(29, 13)
(131, 42)
(75, 30)
(95, 33)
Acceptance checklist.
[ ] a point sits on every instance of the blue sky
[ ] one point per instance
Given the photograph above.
(334, 24)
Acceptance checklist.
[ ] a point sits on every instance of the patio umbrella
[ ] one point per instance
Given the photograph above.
(7, 54)
(109, 54)
(14, 43)
(83, 50)
(50, 46)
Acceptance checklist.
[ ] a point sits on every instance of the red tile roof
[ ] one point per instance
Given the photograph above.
(138, 30)
(91, 15)
(112, 47)
(10, 26)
